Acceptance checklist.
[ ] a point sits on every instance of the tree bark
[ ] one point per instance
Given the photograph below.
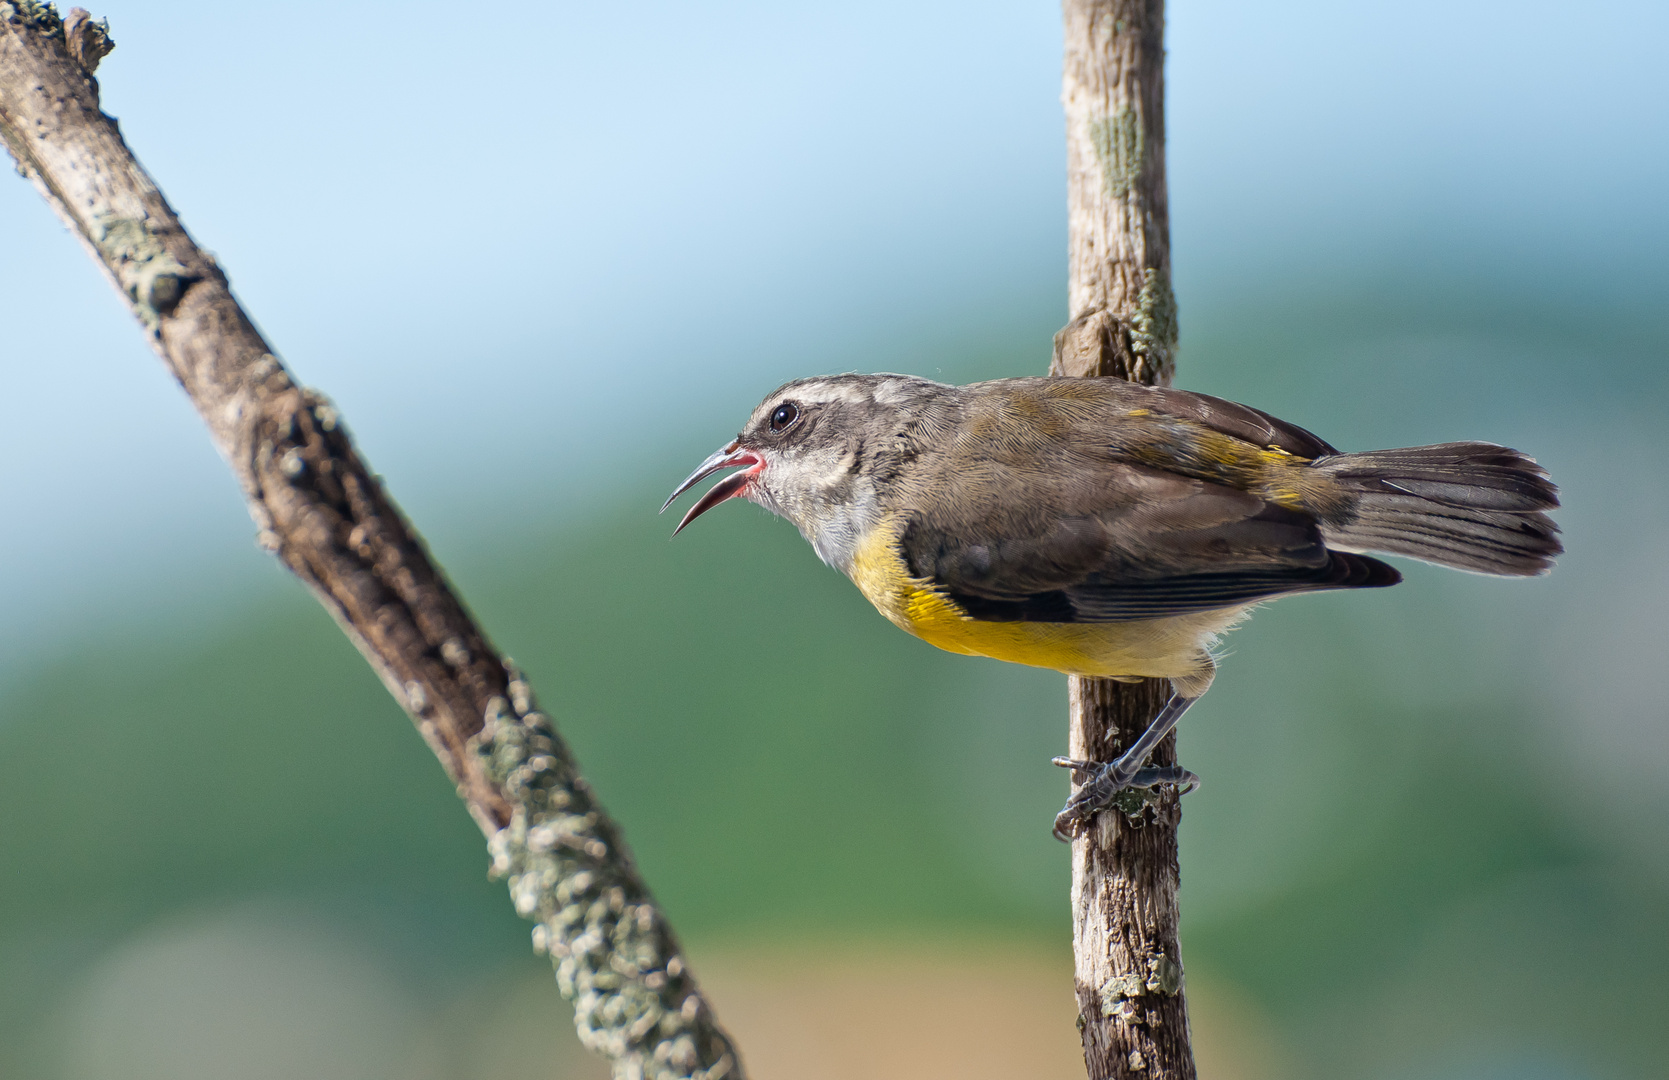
(326, 517)
(1132, 1011)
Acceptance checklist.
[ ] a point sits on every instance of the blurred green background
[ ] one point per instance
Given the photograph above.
(547, 261)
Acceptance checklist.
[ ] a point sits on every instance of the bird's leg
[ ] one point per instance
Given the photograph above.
(1106, 781)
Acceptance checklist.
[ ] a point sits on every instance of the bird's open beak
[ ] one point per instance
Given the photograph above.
(727, 456)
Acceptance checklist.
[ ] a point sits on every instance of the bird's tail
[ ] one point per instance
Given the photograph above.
(1470, 505)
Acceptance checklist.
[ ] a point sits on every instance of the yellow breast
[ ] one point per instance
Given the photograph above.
(1171, 647)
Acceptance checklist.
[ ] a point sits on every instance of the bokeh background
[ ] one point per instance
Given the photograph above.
(546, 259)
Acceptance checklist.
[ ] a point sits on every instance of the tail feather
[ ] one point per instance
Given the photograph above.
(1473, 506)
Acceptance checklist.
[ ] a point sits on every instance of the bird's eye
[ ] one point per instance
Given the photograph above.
(785, 416)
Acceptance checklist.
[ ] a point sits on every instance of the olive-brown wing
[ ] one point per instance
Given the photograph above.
(1117, 397)
(1128, 543)
(1240, 421)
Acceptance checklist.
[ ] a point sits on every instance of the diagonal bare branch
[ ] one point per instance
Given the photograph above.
(327, 518)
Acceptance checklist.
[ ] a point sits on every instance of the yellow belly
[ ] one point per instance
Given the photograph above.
(1174, 647)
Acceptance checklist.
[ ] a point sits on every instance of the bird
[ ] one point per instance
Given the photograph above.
(1103, 528)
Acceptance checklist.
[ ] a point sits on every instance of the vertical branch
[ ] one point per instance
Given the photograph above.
(1119, 238)
(1124, 868)
(326, 517)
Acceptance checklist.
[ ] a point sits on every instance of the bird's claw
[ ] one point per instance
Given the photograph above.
(1108, 785)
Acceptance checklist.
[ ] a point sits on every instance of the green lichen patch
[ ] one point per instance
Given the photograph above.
(1118, 992)
(1160, 974)
(1133, 802)
(1164, 975)
(1153, 329)
(1121, 149)
(153, 279)
(40, 17)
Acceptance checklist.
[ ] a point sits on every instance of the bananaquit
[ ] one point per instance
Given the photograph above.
(1102, 528)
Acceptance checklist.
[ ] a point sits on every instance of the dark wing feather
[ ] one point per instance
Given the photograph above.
(1136, 543)
(1160, 597)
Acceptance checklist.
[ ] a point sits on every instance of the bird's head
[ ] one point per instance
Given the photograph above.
(810, 446)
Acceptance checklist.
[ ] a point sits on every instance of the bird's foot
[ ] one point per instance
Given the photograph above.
(1119, 784)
